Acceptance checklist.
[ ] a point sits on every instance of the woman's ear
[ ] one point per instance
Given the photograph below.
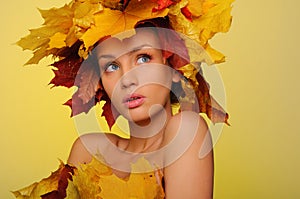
(176, 76)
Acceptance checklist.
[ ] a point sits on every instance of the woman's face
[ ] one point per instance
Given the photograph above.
(134, 75)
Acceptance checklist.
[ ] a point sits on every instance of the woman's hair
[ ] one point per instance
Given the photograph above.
(161, 27)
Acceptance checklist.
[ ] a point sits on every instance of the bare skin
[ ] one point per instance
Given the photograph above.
(186, 175)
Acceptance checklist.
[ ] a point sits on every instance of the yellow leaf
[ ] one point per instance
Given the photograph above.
(96, 180)
(40, 54)
(57, 40)
(110, 22)
(87, 178)
(214, 54)
(72, 192)
(138, 185)
(46, 185)
(195, 6)
(58, 17)
(215, 17)
(110, 3)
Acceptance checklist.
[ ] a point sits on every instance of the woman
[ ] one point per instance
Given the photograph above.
(146, 104)
(139, 75)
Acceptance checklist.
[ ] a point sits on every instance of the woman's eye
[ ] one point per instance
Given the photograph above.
(111, 67)
(143, 59)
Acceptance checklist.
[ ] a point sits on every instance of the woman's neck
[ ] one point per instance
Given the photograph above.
(149, 136)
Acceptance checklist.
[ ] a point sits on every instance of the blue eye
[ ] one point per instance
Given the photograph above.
(111, 67)
(143, 59)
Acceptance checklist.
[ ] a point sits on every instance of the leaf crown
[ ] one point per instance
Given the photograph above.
(70, 33)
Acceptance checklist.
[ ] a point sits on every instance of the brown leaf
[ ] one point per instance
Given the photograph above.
(77, 105)
(109, 112)
(52, 187)
(65, 175)
(207, 104)
(66, 71)
(89, 80)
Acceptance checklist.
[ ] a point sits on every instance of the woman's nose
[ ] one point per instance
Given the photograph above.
(129, 79)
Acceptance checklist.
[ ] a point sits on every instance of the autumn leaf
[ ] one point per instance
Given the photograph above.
(87, 177)
(110, 22)
(78, 106)
(109, 112)
(53, 187)
(37, 38)
(114, 4)
(60, 192)
(207, 104)
(187, 13)
(57, 40)
(58, 17)
(138, 185)
(66, 71)
(56, 23)
(162, 4)
(88, 81)
(195, 7)
(215, 17)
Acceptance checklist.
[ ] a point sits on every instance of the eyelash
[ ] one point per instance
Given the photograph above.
(148, 56)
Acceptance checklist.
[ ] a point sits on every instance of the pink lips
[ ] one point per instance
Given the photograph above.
(133, 100)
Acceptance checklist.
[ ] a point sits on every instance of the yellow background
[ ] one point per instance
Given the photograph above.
(257, 157)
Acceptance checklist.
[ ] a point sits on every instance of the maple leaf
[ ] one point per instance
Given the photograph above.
(114, 4)
(40, 54)
(109, 112)
(88, 80)
(58, 17)
(139, 185)
(52, 187)
(66, 71)
(114, 21)
(187, 13)
(211, 17)
(162, 4)
(199, 7)
(207, 104)
(78, 106)
(87, 177)
(56, 21)
(60, 193)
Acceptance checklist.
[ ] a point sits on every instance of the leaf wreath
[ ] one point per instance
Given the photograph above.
(70, 33)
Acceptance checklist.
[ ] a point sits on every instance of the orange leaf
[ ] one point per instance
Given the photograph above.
(114, 21)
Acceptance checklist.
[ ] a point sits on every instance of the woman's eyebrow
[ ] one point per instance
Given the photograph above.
(133, 50)
(106, 56)
(137, 48)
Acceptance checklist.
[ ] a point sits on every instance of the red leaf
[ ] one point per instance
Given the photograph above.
(66, 71)
(186, 12)
(78, 106)
(89, 80)
(109, 112)
(65, 174)
(162, 4)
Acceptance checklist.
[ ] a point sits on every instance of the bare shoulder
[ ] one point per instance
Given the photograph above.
(187, 122)
(86, 146)
(191, 174)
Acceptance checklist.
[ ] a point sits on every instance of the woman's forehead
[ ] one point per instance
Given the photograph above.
(119, 45)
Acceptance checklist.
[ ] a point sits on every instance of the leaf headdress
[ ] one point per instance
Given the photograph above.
(71, 32)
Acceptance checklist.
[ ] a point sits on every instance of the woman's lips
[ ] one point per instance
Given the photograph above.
(133, 100)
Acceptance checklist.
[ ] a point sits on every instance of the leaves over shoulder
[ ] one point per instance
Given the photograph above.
(53, 187)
